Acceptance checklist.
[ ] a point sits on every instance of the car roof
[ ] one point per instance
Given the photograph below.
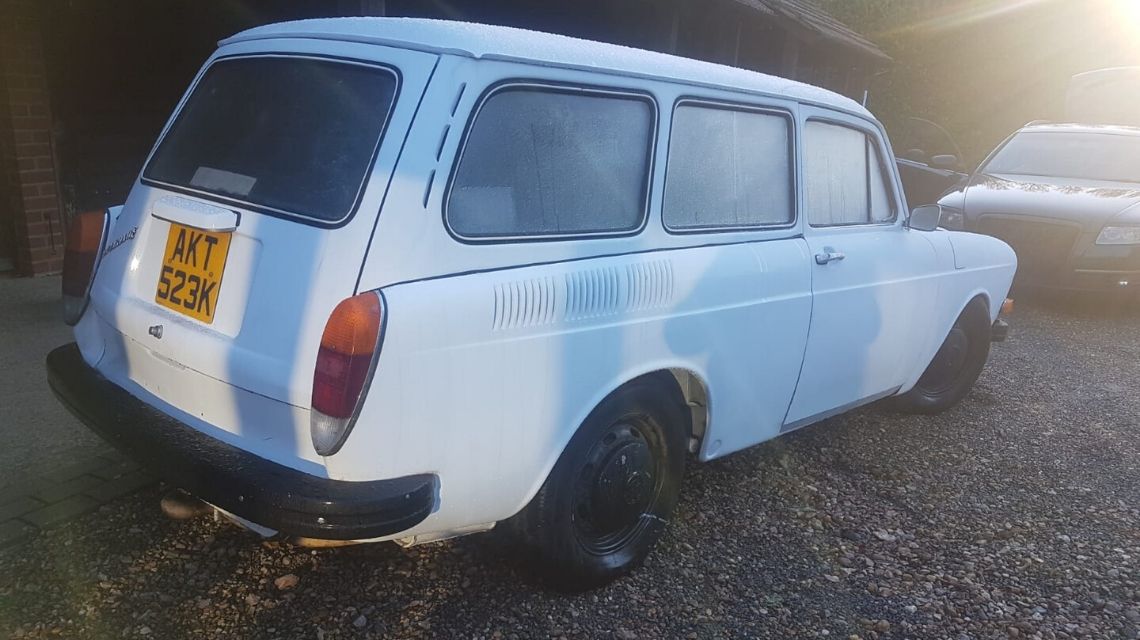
(507, 43)
(1078, 127)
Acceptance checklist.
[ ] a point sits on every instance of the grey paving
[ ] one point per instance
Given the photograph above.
(52, 468)
(37, 435)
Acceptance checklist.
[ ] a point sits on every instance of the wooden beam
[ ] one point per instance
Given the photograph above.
(736, 47)
(791, 56)
(675, 27)
(373, 7)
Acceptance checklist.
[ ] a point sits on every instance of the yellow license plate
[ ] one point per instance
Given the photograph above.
(192, 267)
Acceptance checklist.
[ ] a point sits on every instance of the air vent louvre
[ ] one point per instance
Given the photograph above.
(526, 303)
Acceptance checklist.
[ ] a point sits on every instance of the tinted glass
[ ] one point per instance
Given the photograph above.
(291, 134)
(727, 168)
(844, 182)
(544, 162)
(1057, 154)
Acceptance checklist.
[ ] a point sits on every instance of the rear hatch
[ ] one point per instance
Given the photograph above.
(250, 222)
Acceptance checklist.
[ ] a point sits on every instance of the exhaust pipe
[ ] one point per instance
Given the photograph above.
(179, 505)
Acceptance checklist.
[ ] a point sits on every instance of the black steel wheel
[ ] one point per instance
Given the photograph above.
(621, 477)
(606, 502)
(956, 366)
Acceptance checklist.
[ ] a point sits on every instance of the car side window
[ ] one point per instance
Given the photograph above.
(548, 161)
(844, 180)
(728, 167)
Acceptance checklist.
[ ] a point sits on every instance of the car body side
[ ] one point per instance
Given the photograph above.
(494, 352)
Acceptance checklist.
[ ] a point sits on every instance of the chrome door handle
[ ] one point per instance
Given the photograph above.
(828, 255)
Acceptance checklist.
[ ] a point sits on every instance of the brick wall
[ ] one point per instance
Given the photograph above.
(32, 205)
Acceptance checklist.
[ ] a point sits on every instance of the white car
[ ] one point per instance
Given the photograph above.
(394, 279)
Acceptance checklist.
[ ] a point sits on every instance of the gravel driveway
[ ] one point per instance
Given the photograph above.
(1014, 515)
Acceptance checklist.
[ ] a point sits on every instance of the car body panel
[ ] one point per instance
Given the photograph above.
(494, 352)
(281, 280)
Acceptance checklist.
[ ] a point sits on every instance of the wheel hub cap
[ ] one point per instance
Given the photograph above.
(615, 487)
(621, 490)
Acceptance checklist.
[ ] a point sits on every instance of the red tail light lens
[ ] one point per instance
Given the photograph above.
(81, 256)
(345, 361)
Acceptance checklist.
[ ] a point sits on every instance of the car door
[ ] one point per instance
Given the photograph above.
(871, 278)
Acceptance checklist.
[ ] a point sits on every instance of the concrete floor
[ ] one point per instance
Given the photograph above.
(36, 432)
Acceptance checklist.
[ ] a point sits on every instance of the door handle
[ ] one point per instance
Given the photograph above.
(829, 255)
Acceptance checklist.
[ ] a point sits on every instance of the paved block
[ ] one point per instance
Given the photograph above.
(116, 469)
(113, 455)
(60, 512)
(121, 486)
(14, 532)
(67, 489)
(26, 487)
(74, 470)
(18, 507)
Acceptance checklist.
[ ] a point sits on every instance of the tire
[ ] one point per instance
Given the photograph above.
(607, 499)
(956, 366)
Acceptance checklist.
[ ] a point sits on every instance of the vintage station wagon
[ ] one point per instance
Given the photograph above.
(394, 279)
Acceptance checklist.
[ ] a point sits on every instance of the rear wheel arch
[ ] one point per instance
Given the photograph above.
(694, 392)
(575, 493)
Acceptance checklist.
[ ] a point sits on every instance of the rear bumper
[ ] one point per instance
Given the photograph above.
(263, 492)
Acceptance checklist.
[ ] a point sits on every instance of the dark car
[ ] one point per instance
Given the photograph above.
(1066, 197)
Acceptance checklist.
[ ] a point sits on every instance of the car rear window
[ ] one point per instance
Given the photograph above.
(548, 161)
(292, 135)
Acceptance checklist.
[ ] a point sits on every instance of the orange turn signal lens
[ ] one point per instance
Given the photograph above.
(344, 366)
(1007, 307)
(354, 325)
(81, 254)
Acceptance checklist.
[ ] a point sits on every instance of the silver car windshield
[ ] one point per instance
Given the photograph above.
(1058, 154)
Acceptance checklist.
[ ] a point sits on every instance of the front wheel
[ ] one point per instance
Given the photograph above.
(606, 501)
(956, 366)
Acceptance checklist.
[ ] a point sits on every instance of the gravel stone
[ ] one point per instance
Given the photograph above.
(1014, 515)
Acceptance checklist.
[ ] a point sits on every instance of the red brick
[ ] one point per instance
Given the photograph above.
(33, 149)
(37, 228)
(39, 203)
(45, 162)
(30, 123)
(44, 257)
(32, 95)
(38, 242)
(33, 177)
(46, 268)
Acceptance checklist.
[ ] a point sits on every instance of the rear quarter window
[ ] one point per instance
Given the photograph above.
(289, 134)
(550, 161)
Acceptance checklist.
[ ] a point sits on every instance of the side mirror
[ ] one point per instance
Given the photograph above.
(925, 218)
(944, 161)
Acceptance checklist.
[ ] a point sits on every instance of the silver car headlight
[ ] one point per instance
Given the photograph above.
(952, 219)
(1119, 235)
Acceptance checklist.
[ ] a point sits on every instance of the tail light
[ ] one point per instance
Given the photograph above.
(84, 247)
(345, 362)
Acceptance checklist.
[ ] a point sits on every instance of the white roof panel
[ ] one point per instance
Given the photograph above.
(495, 42)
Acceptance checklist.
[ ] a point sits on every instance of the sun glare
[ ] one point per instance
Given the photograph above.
(1127, 16)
